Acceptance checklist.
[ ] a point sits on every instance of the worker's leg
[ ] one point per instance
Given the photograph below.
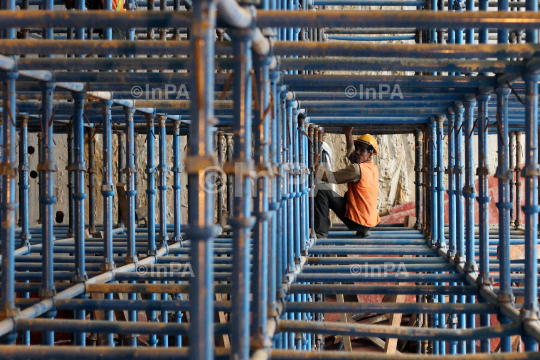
(361, 230)
(326, 199)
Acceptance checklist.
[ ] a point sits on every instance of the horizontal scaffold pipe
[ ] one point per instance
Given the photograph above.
(421, 51)
(387, 308)
(398, 64)
(330, 289)
(405, 333)
(347, 355)
(101, 352)
(327, 19)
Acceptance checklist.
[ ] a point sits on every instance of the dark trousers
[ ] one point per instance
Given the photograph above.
(326, 199)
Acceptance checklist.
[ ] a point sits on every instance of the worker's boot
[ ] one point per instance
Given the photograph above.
(363, 234)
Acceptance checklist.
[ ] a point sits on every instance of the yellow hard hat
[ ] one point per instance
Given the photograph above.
(368, 140)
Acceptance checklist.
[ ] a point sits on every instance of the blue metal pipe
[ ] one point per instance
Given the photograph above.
(441, 241)
(78, 167)
(469, 192)
(434, 223)
(451, 184)
(483, 201)
(504, 205)
(163, 170)
(24, 169)
(201, 203)
(177, 183)
(91, 181)
(371, 38)
(151, 183)
(530, 177)
(107, 188)
(261, 204)
(241, 220)
(8, 200)
(47, 200)
(130, 170)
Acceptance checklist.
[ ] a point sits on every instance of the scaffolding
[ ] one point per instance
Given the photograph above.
(252, 285)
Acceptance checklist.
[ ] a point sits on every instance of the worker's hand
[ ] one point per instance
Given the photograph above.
(347, 130)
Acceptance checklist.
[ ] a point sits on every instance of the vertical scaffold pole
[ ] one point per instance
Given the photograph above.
(219, 180)
(177, 170)
(483, 202)
(504, 205)
(163, 170)
(8, 180)
(519, 152)
(47, 168)
(261, 206)
(201, 203)
(151, 204)
(163, 237)
(434, 223)
(459, 257)
(78, 167)
(530, 176)
(512, 161)
(131, 192)
(469, 192)
(452, 318)
(418, 137)
(91, 181)
(441, 244)
(24, 169)
(71, 213)
(131, 255)
(121, 170)
(241, 220)
(107, 191)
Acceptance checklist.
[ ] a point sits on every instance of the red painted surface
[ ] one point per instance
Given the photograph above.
(397, 213)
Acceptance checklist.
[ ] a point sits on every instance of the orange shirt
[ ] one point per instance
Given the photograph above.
(362, 196)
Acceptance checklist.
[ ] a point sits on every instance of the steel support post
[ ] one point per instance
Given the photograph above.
(121, 170)
(131, 255)
(177, 171)
(459, 257)
(78, 167)
(163, 170)
(24, 169)
(47, 168)
(289, 123)
(241, 220)
(450, 171)
(530, 176)
(201, 203)
(504, 174)
(469, 192)
(512, 177)
(163, 238)
(71, 214)
(274, 146)
(150, 184)
(107, 191)
(519, 152)
(8, 200)
(260, 338)
(441, 243)
(434, 223)
(230, 177)
(296, 184)
(91, 181)
(151, 209)
(219, 180)
(483, 202)
(131, 192)
(418, 137)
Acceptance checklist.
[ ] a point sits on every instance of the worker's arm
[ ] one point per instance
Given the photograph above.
(343, 176)
(350, 143)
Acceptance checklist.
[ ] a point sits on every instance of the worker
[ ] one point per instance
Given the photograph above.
(358, 208)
